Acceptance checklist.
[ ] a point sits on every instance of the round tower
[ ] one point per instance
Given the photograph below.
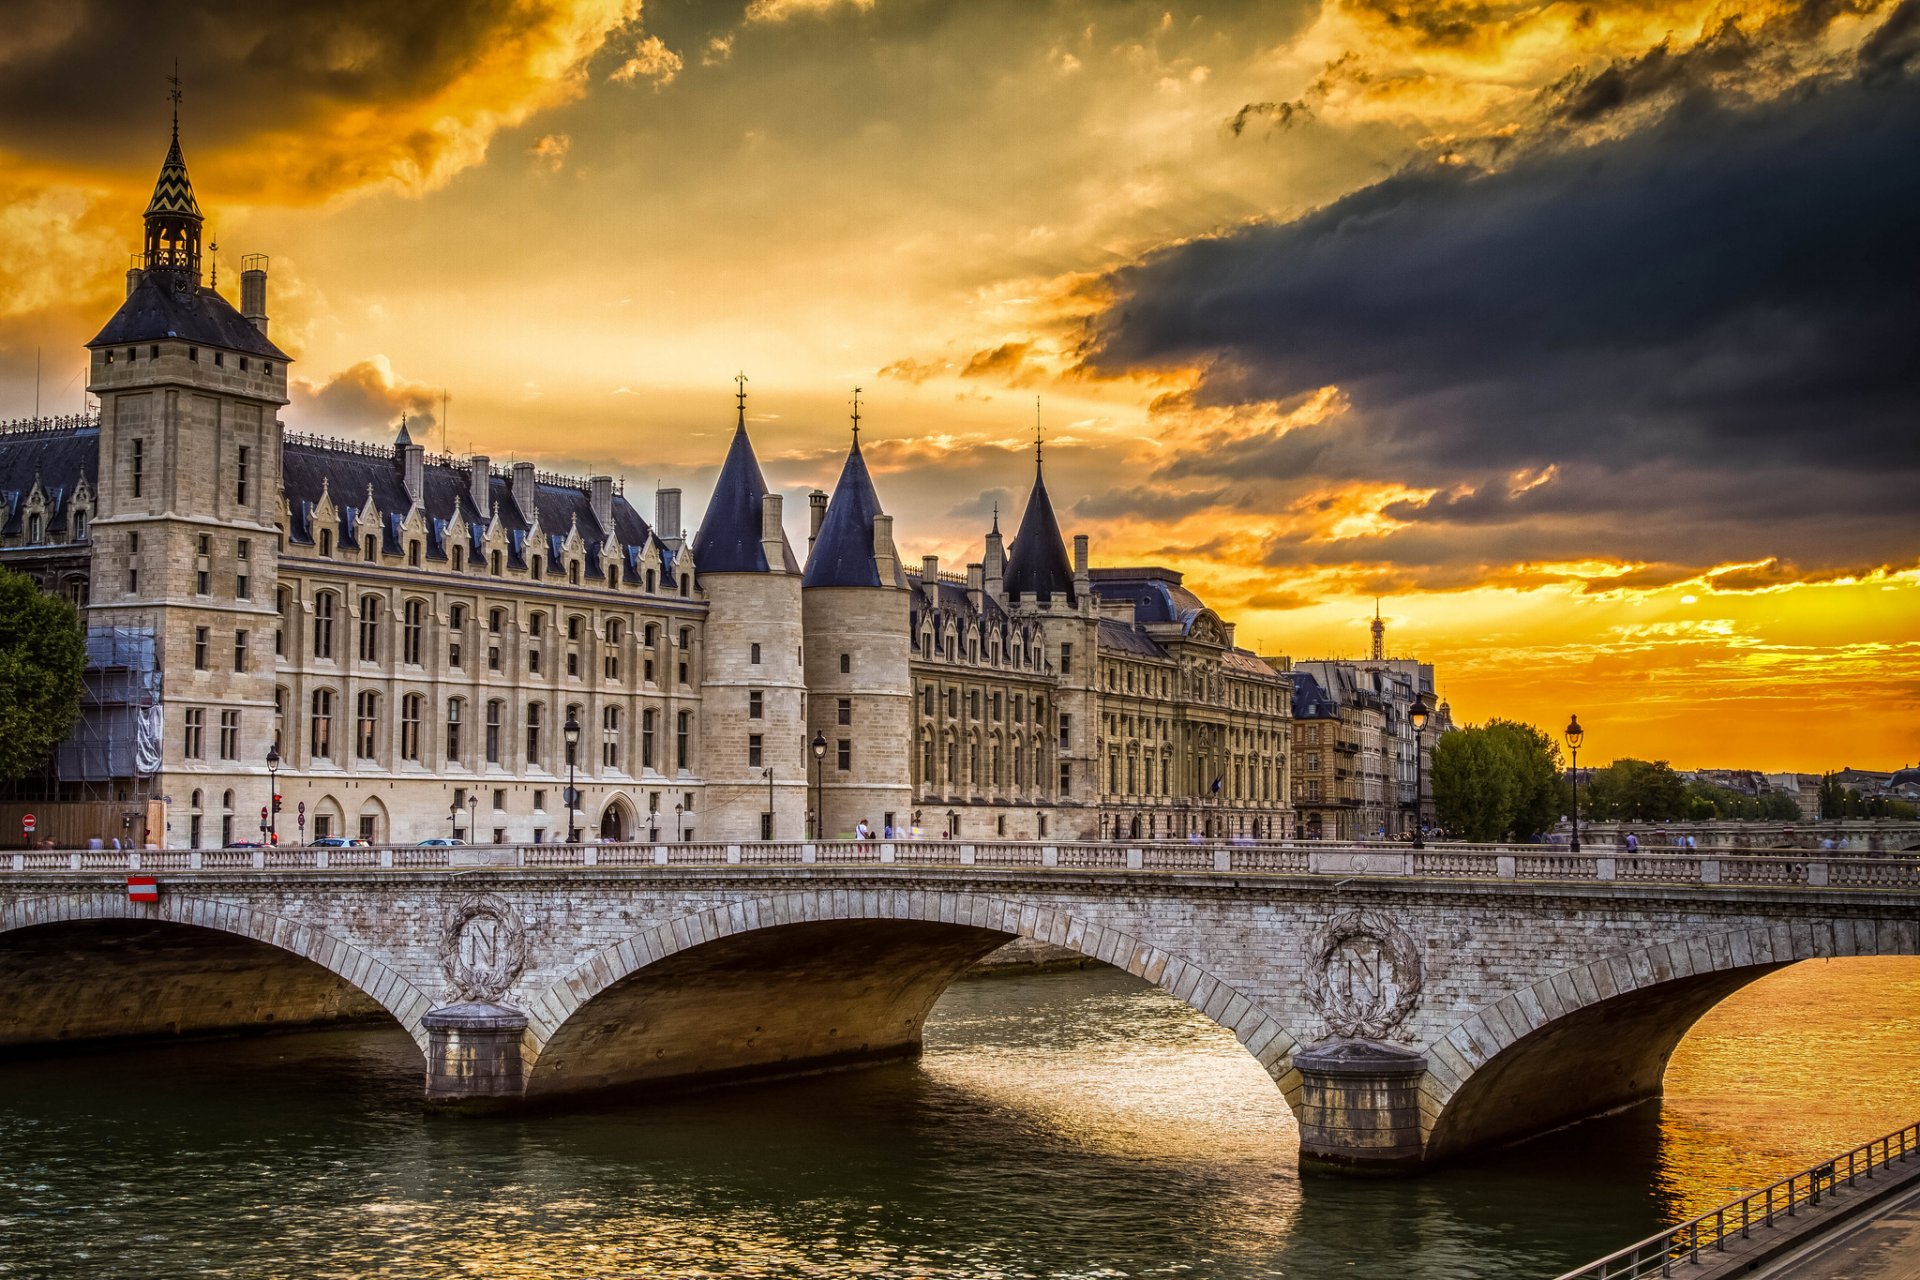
(860, 692)
(752, 750)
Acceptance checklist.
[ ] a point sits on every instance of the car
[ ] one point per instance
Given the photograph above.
(245, 844)
(440, 842)
(336, 842)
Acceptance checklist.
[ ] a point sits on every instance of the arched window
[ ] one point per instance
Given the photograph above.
(366, 732)
(410, 726)
(80, 525)
(533, 733)
(413, 552)
(320, 725)
(369, 628)
(413, 631)
(649, 582)
(493, 731)
(323, 610)
(496, 618)
(455, 709)
(493, 563)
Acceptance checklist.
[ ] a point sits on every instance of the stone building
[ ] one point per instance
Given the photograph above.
(402, 645)
(1356, 748)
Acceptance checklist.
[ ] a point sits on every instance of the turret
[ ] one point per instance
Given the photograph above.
(752, 684)
(412, 460)
(860, 690)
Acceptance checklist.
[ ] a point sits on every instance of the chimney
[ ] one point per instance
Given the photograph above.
(771, 539)
(886, 561)
(666, 517)
(817, 511)
(1229, 627)
(133, 280)
(479, 480)
(977, 586)
(996, 564)
(523, 490)
(1082, 580)
(930, 575)
(413, 472)
(253, 290)
(600, 497)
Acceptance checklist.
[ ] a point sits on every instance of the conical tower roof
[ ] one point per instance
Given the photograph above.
(842, 555)
(1037, 565)
(173, 192)
(729, 537)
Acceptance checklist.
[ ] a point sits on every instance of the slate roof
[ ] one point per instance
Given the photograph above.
(729, 537)
(156, 309)
(842, 554)
(1117, 635)
(1037, 565)
(59, 457)
(1155, 593)
(1310, 701)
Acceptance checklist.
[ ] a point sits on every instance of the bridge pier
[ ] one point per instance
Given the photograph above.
(1360, 1107)
(474, 1059)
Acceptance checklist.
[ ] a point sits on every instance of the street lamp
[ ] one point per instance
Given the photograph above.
(273, 793)
(679, 827)
(1575, 736)
(1418, 717)
(819, 745)
(473, 816)
(571, 732)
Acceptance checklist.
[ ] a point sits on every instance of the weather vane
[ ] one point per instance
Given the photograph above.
(174, 80)
(740, 381)
(856, 416)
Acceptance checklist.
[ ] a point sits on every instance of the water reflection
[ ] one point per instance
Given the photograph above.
(1067, 1125)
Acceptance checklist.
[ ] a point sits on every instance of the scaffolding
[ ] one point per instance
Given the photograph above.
(116, 739)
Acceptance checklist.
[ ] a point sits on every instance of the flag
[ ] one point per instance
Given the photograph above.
(1215, 788)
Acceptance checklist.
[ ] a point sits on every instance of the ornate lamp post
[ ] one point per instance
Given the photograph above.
(1417, 716)
(819, 746)
(679, 826)
(571, 732)
(473, 816)
(273, 794)
(1575, 736)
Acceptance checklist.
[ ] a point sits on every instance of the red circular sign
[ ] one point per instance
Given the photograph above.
(26, 824)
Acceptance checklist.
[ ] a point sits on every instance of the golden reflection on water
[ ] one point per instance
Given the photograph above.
(1802, 1064)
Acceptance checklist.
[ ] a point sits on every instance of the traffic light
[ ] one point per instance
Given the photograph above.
(276, 802)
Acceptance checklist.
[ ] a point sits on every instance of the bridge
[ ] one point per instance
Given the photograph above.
(1411, 1005)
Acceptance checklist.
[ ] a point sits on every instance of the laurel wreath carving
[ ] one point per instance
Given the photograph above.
(1346, 1014)
(485, 983)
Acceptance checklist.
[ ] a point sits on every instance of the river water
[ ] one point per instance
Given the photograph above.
(1075, 1124)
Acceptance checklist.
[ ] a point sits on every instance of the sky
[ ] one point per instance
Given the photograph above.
(1580, 337)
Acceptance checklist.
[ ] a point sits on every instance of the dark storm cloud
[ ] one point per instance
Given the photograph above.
(1726, 294)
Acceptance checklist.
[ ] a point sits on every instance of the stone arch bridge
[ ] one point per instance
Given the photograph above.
(1410, 1005)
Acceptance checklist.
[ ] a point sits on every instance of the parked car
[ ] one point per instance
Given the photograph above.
(337, 842)
(245, 844)
(440, 842)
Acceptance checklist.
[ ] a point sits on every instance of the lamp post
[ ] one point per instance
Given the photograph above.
(571, 732)
(771, 833)
(819, 746)
(273, 794)
(1417, 716)
(679, 828)
(1575, 736)
(473, 816)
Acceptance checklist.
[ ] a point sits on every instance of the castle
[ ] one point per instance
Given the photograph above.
(403, 646)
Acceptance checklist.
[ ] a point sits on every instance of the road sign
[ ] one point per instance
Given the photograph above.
(142, 889)
(26, 825)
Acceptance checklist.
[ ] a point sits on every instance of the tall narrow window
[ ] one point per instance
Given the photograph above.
(610, 737)
(323, 606)
(533, 733)
(245, 457)
(229, 735)
(843, 755)
(243, 569)
(646, 738)
(194, 747)
(239, 651)
(756, 705)
(320, 725)
(369, 628)
(133, 563)
(139, 465)
(682, 739)
(200, 648)
(754, 751)
(366, 737)
(453, 730)
(410, 727)
(413, 630)
(843, 713)
(493, 733)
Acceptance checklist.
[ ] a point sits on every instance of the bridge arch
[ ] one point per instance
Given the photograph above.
(941, 933)
(1598, 1036)
(362, 971)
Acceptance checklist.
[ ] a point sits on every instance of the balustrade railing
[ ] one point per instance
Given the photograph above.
(1446, 862)
(1704, 1239)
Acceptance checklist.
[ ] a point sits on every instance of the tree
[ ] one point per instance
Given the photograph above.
(1630, 790)
(41, 657)
(1496, 779)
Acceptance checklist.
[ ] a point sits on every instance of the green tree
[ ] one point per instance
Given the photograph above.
(1630, 790)
(41, 657)
(1497, 779)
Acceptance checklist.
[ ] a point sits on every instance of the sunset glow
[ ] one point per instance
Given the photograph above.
(1580, 337)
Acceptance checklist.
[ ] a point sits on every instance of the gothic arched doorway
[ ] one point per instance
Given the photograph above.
(616, 823)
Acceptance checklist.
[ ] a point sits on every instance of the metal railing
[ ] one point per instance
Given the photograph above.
(1452, 863)
(1704, 1238)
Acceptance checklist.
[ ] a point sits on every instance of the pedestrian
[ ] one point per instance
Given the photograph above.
(886, 831)
(1633, 843)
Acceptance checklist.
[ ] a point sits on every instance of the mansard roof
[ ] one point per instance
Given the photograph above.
(842, 555)
(156, 310)
(1037, 565)
(58, 455)
(1126, 638)
(1156, 594)
(729, 536)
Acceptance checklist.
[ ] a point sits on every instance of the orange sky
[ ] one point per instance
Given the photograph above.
(579, 220)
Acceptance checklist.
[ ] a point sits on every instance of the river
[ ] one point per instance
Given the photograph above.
(1077, 1124)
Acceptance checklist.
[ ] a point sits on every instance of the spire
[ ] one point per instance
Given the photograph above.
(730, 538)
(995, 531)
(856, 420)
(173, 216)
(844, 554)
(405, 437)
(1037, 565)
